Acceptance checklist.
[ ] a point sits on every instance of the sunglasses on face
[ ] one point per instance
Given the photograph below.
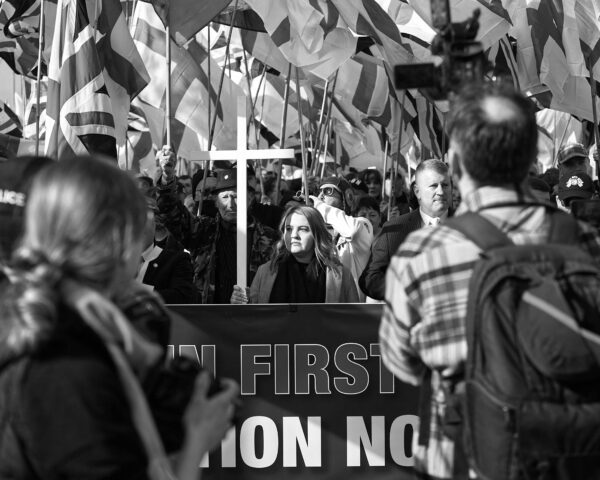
(330, 191)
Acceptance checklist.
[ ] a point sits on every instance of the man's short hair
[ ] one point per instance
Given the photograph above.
(431, 164)
(494, 151)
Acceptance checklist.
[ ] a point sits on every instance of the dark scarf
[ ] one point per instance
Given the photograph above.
(293, 284)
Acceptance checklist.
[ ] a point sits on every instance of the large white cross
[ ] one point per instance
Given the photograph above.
(241, 154)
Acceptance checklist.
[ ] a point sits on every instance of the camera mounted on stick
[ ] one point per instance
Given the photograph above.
(462, 58)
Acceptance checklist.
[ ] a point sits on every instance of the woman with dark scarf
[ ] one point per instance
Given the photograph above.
(71, 365)
(304, 267)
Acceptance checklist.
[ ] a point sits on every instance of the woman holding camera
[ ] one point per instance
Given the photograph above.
(304, 267)
(71, 404)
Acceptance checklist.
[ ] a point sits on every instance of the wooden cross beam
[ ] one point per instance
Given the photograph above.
(241, 154)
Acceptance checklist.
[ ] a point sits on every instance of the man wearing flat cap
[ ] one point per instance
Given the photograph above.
(573, 158)
(215, 248)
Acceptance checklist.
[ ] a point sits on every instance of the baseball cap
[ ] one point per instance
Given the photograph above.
(572, 150)
(16, 175)
(358, 184)
(575, 185)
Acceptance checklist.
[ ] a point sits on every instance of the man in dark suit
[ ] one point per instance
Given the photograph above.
(166, 266)
(434, 193)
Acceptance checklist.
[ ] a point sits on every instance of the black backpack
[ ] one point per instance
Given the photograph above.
(529, 405)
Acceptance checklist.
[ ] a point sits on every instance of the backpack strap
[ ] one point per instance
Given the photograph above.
(564, 229)
(479, 230)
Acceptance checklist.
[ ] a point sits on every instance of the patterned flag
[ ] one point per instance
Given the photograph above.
(30, 118)
(503, 61)
(187, 17)
(366, 17)
(260, 46)
(555, 38)
(79, 115)
(124, 71)
(310, 33)
(427, 124)
(191, 91)
(19, 38)
(269, 94)
(11, 147)
(363, 82)
(9, 121)
(555, 130)
(138, 153)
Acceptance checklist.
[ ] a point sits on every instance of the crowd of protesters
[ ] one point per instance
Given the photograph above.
(365, 227)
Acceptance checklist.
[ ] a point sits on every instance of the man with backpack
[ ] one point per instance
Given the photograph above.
(495, 313)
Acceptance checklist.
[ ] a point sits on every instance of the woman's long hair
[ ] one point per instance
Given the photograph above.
(84, 220)
(325, 252)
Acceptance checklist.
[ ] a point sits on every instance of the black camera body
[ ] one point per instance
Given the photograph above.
(169, 386)
(462, 58)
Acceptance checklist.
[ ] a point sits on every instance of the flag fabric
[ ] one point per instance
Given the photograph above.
(187, 17)
(363, 82)
(79, 116)
(416, 33)
(367, 18)
(311, 34)
(191, 90)
(270, 93)
(260, 46)
(503, 61)
(124, 72)
(19, 36)
(555, 129)
(11, 146)
(555, 38)
(138, 153)
(9, 121)
(427, 123)
(30, 117)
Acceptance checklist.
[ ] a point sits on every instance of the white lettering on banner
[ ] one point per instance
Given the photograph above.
(310, 363)
(297, 443)
(358, 438)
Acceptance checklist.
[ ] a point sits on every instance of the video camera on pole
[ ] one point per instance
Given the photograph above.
(462, 58)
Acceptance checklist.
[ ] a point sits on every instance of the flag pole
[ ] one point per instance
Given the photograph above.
(286, 97)
(331, 94)
(595, 116)
(168, 92)
(206, 162)
(38, 84)
(394, 165)
(302, 146)
(214, 119)
(321, 115)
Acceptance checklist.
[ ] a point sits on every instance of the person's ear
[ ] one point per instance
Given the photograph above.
(349, 197)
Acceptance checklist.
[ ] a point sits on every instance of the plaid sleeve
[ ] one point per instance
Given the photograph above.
(400, 314)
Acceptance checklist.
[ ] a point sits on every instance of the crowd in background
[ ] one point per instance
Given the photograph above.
(195, 222)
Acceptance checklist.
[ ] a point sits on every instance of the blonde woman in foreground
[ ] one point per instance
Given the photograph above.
(71, 405)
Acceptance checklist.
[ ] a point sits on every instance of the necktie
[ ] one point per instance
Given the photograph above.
(434, 221)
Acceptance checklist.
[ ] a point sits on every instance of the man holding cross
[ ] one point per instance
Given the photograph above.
(214, 251)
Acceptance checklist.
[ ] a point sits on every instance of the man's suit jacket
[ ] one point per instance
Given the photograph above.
(171, 275)
(393, 233)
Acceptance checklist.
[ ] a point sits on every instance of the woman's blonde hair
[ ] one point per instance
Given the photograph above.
(83, 220)
(325, 252)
